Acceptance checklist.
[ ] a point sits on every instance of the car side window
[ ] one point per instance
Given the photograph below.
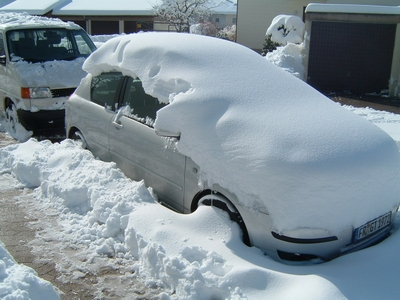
(143, 106)
(105, 89)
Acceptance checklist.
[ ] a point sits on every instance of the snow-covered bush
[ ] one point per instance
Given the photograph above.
(269, 45)
(204, 28)
(228, 33)
(210, 29)
(284, 29)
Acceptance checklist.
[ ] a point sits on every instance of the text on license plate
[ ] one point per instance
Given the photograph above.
(372, 226)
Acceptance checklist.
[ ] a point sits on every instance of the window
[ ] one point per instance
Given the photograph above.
(105, 89)
(48, 44)
(83, 42)
(143, 106)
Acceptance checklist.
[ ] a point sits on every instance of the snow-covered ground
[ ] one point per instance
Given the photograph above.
(103, 214)
(190, 256)
(21, 282)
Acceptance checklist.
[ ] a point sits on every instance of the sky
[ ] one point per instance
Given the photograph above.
(103, 214)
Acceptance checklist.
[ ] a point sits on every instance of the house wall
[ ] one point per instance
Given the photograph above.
(255, 16)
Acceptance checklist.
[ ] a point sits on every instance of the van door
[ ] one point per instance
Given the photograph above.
(3, 71)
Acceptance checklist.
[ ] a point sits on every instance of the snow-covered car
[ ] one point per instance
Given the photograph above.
(40, 66)
(205, 121)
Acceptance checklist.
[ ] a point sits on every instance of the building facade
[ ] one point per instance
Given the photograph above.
(112, 17)
(255, 16)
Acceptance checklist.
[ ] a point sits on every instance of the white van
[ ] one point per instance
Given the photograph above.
(40, 67)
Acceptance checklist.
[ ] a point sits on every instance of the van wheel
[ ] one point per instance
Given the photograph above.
(78, 137)
(11, 116)
(224, 204)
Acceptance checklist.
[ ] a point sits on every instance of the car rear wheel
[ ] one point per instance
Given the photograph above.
(79, 138)
(219, 201)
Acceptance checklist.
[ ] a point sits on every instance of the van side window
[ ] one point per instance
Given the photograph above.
(143, 106)
(105, 89)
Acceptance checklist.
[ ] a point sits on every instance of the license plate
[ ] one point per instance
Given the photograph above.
(372, 226)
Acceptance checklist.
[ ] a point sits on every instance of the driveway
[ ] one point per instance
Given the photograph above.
(23, 230)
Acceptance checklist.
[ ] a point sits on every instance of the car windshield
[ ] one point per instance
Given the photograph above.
(48, 44)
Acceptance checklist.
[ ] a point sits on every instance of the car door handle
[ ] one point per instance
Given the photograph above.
(117, 124)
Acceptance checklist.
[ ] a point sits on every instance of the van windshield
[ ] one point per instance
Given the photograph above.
(48, 44)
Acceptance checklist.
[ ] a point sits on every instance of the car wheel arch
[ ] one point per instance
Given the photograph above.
(76, 134)
(218, 200)
(7, 103)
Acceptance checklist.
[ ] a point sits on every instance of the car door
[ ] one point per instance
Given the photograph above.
(139, 152)
(94, 116)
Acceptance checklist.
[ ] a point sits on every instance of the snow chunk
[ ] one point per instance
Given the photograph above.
(20, 282)
(289, 58)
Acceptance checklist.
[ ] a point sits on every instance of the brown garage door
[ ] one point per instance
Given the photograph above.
(350, 57)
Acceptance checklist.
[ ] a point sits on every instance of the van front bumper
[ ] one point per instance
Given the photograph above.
(43, 122)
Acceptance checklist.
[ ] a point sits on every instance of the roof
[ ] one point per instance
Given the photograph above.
(353, 9)
(38, 7)
(101, 7)
(228, 7)
(106, 7)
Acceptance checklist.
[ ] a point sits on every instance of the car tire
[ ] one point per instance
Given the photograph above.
(11, 116)
(79, 138)
(224, 204)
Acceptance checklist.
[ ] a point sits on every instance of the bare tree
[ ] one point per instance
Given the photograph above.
(182, 13)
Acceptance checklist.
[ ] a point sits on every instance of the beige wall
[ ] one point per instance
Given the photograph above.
(255, 16)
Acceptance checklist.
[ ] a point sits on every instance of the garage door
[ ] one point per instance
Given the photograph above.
(350, 57)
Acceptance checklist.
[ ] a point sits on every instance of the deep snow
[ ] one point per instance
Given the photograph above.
(190, 256)
(251, 115)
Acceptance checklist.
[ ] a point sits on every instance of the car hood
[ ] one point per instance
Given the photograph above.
(48, 74)
(260, 132)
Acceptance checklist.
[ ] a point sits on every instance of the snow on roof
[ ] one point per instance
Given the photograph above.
(38, 7)
(102, 7)
(225, 8)
(15, 19)
(106, 7)
(353, 9)
(236, 111)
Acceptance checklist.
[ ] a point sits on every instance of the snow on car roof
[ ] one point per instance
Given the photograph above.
(258, 131)
(11, 20)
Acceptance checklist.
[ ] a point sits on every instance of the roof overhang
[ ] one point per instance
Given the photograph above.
(352, 9)
(31, 7)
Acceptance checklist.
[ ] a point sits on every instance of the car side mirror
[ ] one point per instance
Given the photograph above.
(168, 134)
